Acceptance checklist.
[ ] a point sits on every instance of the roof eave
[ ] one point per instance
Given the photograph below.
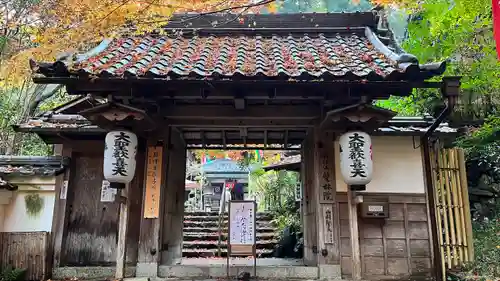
(405, 60)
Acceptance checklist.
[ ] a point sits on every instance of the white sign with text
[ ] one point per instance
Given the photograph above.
(242, 223)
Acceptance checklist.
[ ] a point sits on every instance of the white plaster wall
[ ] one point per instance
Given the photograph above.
(15, 217)
(17, 220)
(397, 166)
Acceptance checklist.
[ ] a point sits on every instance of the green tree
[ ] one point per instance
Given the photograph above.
(460, 32)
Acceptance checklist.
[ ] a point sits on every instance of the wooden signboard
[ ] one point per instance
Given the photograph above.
(327, 222)
(242, 231)
(153, 182)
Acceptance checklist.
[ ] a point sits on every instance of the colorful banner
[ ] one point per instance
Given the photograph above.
(496, 24)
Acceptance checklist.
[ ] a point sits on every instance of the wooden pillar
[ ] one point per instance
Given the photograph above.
(60, 216)
(174, 202)
(354, 231)
(121, 248)
(308, 204)
(426, 146)
(326, 209)
(149, 250)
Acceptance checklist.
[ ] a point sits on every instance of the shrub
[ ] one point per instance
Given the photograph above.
(487, 248)
(10, 273)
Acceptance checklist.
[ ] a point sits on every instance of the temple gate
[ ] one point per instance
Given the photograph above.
(293, 82)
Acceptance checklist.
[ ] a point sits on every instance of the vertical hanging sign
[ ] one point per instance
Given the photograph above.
(328, 222)
(153, 182)
(326, 188)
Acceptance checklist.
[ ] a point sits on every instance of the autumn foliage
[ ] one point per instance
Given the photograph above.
(45, 29)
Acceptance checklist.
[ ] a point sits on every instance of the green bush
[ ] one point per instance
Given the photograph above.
(486, 263)
(10, 273)
(487, 248)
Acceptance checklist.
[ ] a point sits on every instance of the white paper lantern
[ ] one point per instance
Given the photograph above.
(119, 156)
(356, 164)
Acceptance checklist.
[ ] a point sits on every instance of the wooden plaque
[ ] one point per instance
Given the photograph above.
(328, 227)
(242, 249)
(153, 182)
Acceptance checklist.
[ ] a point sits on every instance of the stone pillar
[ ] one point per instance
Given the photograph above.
(174, 202)
(323, 178)
(149, 249)
(308, 203)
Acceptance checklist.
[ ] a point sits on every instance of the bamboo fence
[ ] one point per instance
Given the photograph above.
(25, 250)
(452, 208)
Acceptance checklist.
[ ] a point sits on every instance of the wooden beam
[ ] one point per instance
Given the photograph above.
(240, 146)
(121, 248)
(61, 210)
(242, 141)
(240, 122)
(250, 112)
(239, 103)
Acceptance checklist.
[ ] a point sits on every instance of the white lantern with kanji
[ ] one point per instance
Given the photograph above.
(119, 156)
(356, 164)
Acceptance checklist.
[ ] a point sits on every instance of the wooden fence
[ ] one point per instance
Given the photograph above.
(452, 208)
(27, 250)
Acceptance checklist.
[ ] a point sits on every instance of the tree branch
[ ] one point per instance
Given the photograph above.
(197, 16)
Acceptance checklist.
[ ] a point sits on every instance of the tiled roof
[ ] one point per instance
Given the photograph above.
(337, 55)
(32, 165)
(326, 54)
(4, 184)
(291, 163)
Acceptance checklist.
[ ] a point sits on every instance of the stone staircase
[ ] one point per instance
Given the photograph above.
(201, 235)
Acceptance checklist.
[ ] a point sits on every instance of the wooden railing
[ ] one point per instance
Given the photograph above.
(452, 208)
(25, 250)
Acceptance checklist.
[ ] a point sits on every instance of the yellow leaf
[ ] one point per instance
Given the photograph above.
(272, 7)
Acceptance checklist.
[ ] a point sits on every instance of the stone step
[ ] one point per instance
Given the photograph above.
(205, 253)
(188, 229)
(195, 218)
(189, 223)
(204, 215)
(216, 218)
(215, 235)
(213, 244)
